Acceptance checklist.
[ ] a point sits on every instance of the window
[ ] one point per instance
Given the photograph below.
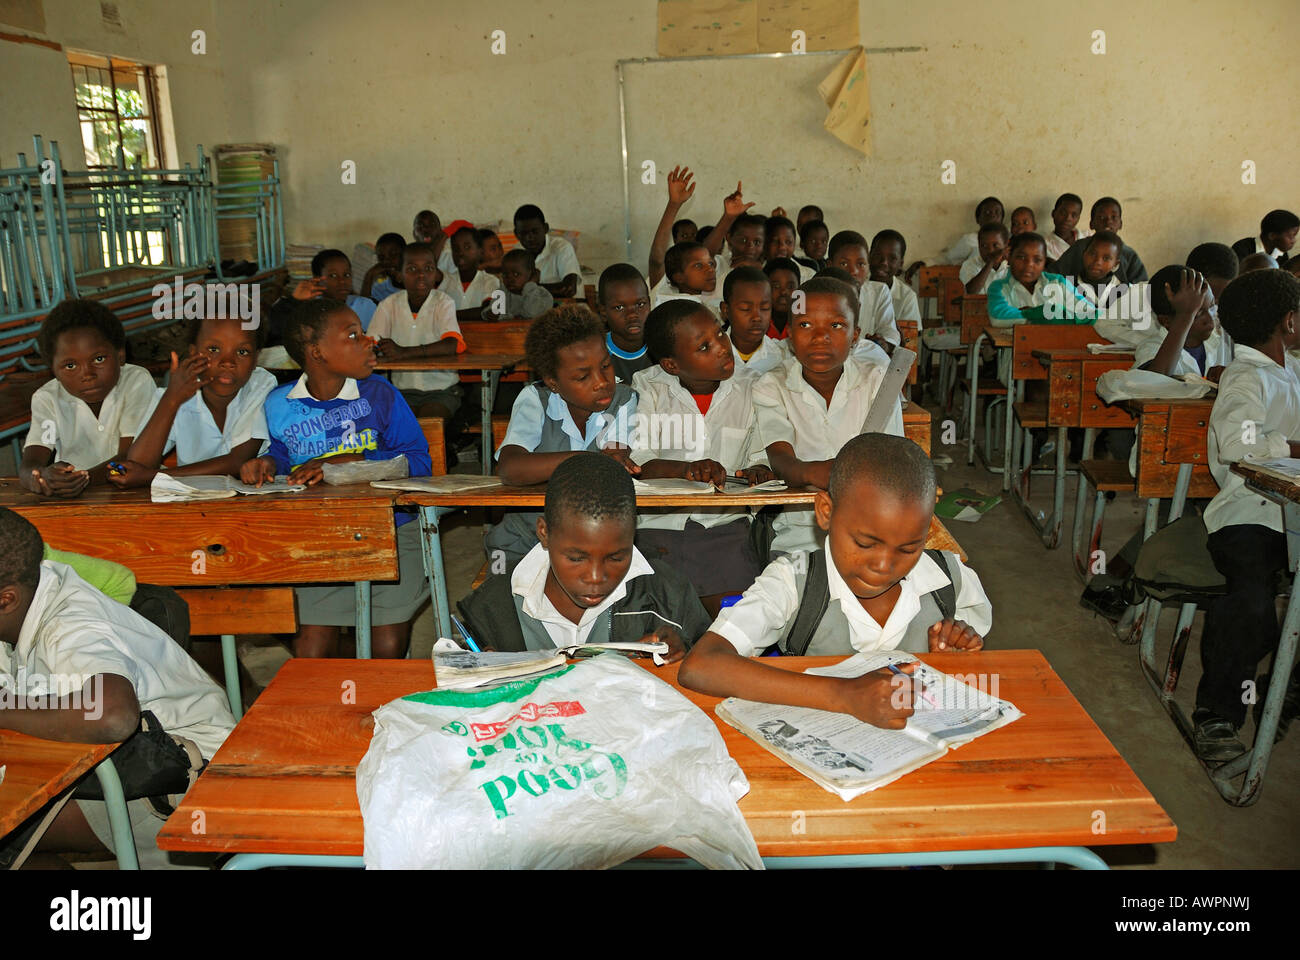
(117, 105)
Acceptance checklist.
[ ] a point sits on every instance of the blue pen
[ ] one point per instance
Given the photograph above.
(465, 633)
(893, 668)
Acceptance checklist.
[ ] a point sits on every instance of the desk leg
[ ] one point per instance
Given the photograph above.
(363, 619)
(1010, 440)
(487, 396)
(119, 820)
(973, 370)
(230, 663)
(431, 547)
(261, 861)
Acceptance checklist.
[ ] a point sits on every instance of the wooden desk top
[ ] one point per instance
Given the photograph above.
(1000, 337)
(105, 497)
(1140, 405)
(284, 782)
(38, 770)
(461, 361)
(534, 495)
(1073, 354)
(1276, 487)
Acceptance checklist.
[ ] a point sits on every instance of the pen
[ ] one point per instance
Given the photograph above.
(893, 668)
(116, 468)
(465, 633)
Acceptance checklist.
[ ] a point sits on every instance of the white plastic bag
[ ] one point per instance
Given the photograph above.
(1116, 385)
(584, 768)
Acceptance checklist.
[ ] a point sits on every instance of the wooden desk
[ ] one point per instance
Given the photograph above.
(1172, 453)
(916, 425)
(37, 771)
(284, 782)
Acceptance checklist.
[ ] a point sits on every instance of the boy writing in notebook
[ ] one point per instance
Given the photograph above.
(883, 591)
(623, 301)
(88, 414)
(585, 581)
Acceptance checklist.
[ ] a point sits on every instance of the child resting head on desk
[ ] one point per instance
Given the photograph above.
(88, 414)
(585, 581)
(873, 587)
(210, 412)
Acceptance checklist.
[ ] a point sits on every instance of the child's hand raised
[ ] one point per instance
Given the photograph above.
(954, 635)
(778, 211)
(881, 698)
(185, 377)
(132, 475)
(257, 471)
(706, 471)
(681, 185)
(1193, 294)
(624, 456)
(733, 204)
(309, 289)
(755, 475)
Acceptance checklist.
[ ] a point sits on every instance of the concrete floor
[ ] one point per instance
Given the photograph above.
(1035, 601)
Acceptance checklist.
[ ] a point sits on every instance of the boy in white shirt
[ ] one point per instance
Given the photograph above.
(1065, 219)
(420, 322)
(88, 414)
(746, 312)
(988, 210)
(80, 667)
(1123, 310)
(849, 252)
(1185, 340)
(553, 256)
(1256, 414)
(884, 592)
(989, 262)
(467, 284)
(885, 263)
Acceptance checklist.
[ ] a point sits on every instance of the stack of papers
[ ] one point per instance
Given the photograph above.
(168, 489)
(452, 483)
(1283, 468)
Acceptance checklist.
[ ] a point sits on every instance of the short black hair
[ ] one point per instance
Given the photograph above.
(1172, 275)
(21, 550)
(682, 223)
(845, 238)
(471, 231)
(484, 234)
(556, 329)
(1068, 198)
(884, 236)
(305, 323)
(192, 325)
(812, 206)
(618, 273)
(779, 263)
(396, 238)
(529, 211)
(702, 233)
(809, 226)
(1253, 305)
(1028, 210)
(1214, 260)
(592, 486)
(520, 253)
(1278, 221)
(743, 275)
(325, 256)
(1024, 239)
(77, 315)
(677, 254)
(836, 273)
(661, 326)
(825, 284)
(997, 227)
(420, 247)
(772, 224)
(1104, 236)
(746, 220)
(987, 200)
(892, 464)
(1105, 202)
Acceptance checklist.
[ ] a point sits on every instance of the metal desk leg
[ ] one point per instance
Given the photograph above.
(973, 371)
(487, 396)
(431, 547)
(230, 662)
(1015, 394)
(363, 619)
(261, 861)
(119, 820)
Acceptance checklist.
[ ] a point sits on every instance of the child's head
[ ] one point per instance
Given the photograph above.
(334, 267)
(993, 239)
(848, 251)
(778, 238)
(231, 352)
(690, 267)
(684, 230)
(1257, 306)
(466, 251)
(1202, 324)
(989, 210)
(784, 275)
(85, 346)
(531, 228)
(1257, 261)
(877, 511)
(703, 232)
(688, 341)
(565, 349)
(822, 335)
(517, 270)
(388, 251)
(1101, 256)
(807, 213)
(491, 244)
(745, 239)
(587, 528)
(1026, 258)
(1217, 263)
(1023, 221)
(426, 227)
(419, 265)
(623, 300)
(746, 307)
(21, 552)
(885, 258)
(1066, 212)
(814, 237)
(1278, 230)
(1107, 214)
(325, 336)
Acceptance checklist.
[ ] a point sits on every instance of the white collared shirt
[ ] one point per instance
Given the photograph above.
(1123, 314)
(435, 321)
(1256, 414)
(876, 316)
(664, 291)
(557, 261)
(348, 391)
(64, 423)
(1216, 353)
(194, 432)
(607, 427)
(671, 427)
(971, 267)
(471, 297)
(528, 580)
(766, 611)
(1057, 245)
(966, 244)
(906, 306)
(769, 355)
(73, 632)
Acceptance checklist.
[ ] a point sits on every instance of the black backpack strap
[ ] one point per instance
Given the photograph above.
(812, 607)
(945, 596)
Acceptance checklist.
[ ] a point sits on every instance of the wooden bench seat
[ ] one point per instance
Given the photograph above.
(217, 611)
(1031, 413)
(1108, 475)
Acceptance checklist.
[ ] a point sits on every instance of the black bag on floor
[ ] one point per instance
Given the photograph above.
(151, 763)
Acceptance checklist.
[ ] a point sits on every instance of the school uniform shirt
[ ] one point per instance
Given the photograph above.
(627, 364)
(471, 297)
(1256, 391)
(64, 422)
(194, 433)
(1130, 270)
(1058, 245)
(381, 290)
(671, 427)
(73, 632)
(1008, 298)
(1248, 245)
(906, 306)
(973, 264)
(771, 353)
(1214, 347)
(435, 321)
(876, 313)
(603, 428)
(766, 611)
(531, 302)
(557, 261)
(966, 244)
(363, 307)
(446, 262)
(1122, 311)
(663, 291)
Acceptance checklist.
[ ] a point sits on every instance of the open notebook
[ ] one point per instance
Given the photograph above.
(167, 489)
(849, 757)
(457, 669)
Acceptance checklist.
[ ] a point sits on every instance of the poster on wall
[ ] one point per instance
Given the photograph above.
(694, 28)
(848, 96)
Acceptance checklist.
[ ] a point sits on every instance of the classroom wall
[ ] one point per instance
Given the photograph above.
(1009, 90)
